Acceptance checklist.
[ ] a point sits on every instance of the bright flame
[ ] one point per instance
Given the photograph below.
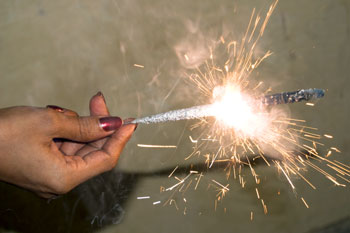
(239, 111)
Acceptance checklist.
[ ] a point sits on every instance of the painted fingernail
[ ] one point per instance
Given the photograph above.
(110, 123)
(100, 94)
(56, 108)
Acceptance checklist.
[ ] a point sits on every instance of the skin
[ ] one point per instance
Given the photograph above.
(51, 152)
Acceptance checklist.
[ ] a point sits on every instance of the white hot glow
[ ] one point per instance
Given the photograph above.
(236, 110)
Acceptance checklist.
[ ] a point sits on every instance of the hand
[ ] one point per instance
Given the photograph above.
(52, 150)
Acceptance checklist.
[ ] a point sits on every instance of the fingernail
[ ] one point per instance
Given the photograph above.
(100, 94)
(56, 108)
(110, 123)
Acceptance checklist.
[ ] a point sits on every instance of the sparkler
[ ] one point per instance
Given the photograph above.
(244, 125)
(209, 110)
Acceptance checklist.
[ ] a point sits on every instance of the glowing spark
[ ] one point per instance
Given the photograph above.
(186, 57)
(139, 66)
(328, 136)
(310, 104)
(156, 146)
(145, 197)
(222, 39)
(342, 164)
(285, 174)
(173, 171)
(343, 178)
(307, 206)
(198, 180)
(264, 206)
(335, 181)
(335, 149)
(181, 181)
(192, 140)
(213, 160)
(257, 193)
(156, 202)
(173, 201)
(224, 187)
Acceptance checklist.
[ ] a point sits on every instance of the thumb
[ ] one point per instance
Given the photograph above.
(86, 129)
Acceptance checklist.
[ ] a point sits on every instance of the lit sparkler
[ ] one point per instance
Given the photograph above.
(231, 99)
(241, 121)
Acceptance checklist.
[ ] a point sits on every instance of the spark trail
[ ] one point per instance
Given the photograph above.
(209, 109)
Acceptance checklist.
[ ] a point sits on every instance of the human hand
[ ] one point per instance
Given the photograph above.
(83, 147)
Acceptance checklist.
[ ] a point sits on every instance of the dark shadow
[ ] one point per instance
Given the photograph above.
(98, 202)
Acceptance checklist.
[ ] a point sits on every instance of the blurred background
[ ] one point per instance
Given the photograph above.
(63, 52)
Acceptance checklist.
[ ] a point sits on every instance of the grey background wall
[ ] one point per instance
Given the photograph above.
(63, 52)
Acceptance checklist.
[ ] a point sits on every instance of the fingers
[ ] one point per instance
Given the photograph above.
(91, 160)
(64, 111)
(78, 169)
(99, 161)
(98, 108)
(114, 146)
(86, 129)
(70, 148)
(98, 105)
(64, 146)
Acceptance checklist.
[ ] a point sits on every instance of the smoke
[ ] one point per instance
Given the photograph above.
(275, 140)
(193, 50)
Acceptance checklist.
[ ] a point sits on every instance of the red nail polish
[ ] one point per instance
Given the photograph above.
(110, 123)
(56, 108)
